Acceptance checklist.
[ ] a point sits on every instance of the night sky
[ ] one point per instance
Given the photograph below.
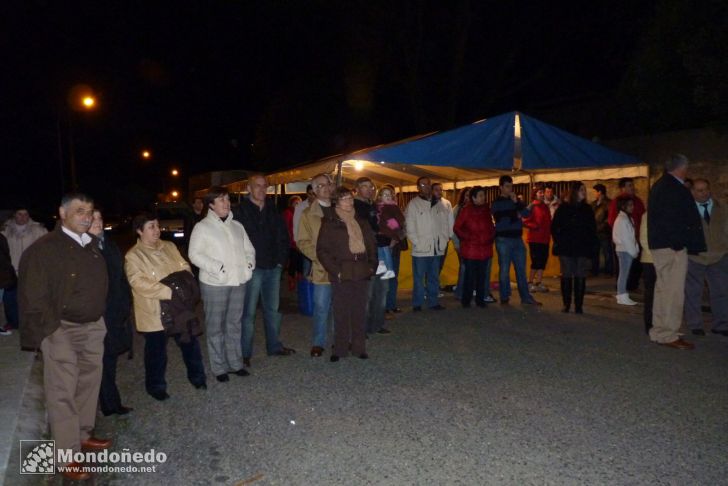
(261, 85)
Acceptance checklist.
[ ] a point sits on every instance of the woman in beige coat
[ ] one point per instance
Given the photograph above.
(148, 262)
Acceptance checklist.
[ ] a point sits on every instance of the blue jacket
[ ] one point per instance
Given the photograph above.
(507, 215)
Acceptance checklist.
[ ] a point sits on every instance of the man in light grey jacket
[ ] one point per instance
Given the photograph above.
(429, 228)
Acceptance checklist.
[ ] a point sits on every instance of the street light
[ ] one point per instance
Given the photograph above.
(175, 172)
(175, 194)
(146, 154)
(80, 98)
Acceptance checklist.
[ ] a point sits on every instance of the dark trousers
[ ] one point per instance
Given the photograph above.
(393, 283)
(650, 277)
(10, 302)
(474, 278)
(155, 360)
(604, 247)
(109, 398)
(376, 302)
(349, 302)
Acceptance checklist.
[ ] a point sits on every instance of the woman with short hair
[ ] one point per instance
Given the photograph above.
(146, 264)
(347, 250)
(574, 231)
(220, 247)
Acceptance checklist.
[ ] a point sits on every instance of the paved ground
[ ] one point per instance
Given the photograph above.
(506, 395)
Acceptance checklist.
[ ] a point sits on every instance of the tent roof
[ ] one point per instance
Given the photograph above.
(511, 143)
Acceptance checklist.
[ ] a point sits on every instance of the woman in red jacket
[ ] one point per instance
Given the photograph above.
(474, 227)
(539, 236)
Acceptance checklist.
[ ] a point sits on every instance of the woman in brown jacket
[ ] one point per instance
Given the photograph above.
(347, 250)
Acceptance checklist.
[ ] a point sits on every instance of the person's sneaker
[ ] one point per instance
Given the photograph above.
(382, 268)
(440, 295)
(4, 331)
(532, 288)
(387, 275)
(540, 287)
(623, 299)
(489, 299)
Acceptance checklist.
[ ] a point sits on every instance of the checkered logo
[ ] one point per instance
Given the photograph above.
(37, 456)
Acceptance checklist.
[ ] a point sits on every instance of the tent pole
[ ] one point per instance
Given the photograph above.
(339, 174)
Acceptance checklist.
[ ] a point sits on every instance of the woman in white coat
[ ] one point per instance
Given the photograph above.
(625, 242)
(220, 248)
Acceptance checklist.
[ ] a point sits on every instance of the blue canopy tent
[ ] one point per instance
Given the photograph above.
(510, 143)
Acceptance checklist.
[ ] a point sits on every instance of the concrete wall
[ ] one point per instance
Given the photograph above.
(707, 149)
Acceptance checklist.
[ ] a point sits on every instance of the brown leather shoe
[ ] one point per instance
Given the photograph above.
(95, 444)
(317, 351)
(74, 472)
(679, 344)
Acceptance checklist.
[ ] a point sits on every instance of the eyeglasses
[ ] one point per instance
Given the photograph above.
(424, 184)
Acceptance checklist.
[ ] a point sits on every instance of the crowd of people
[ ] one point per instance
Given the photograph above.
(79, 297)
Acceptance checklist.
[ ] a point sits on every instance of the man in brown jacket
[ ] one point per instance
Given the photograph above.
(711, 265)
(62, 287)
(306, 239)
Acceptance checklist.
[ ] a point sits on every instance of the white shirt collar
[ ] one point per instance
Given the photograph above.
(82, 240)
(709, 202)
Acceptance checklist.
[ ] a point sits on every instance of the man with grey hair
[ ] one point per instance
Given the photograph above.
(711, 265)
(306, 239)
(62, 285)
(674, 230)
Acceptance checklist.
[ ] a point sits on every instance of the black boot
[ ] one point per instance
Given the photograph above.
(579, 290)
(566, 289)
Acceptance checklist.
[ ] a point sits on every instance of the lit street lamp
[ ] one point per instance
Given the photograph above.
(146, 154)
(80, 98)
(175, 172)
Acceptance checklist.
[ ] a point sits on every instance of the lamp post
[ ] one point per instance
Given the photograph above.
(80, 98)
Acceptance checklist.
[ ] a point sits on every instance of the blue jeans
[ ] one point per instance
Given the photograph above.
(322, 315)
(10, 302)
(512, 251)
(426, 268)
(393, 284)
(265, 286)
(384, 254)
(376, 303)
(625, 263)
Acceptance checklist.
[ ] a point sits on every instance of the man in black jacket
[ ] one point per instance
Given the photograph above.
(117, 319)
(269, 235)
(674, 230)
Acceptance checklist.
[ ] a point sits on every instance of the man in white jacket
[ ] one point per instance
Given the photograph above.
(21, 232)
(221, 249)
(429, 229)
